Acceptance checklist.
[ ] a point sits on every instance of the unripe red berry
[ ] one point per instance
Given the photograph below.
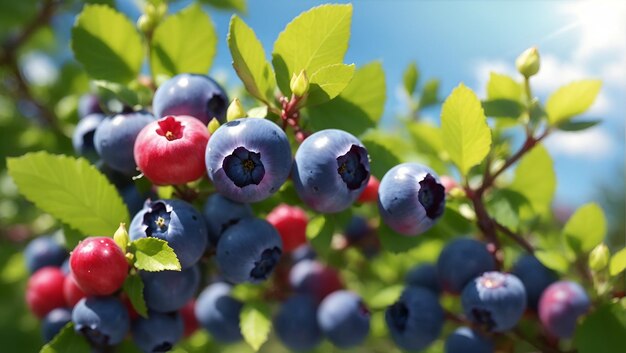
(290, 222)
(171, 150)
(370, 193)
(71, 291)
(189, 318)
(99, 266)
(44, 291)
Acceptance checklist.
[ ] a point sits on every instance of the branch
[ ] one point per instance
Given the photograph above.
(516, 237)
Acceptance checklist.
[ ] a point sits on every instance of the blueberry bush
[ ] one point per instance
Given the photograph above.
(176, 213)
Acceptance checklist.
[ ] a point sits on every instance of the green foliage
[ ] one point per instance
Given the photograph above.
(133, 287)
(385, 151)
(577, 125)
(618, 262)
(153, 254)
(553, 259)
(319, 232)
(67, 341)
(238, 5)
(328, 82)
(410, 77)
(504, 87)
(502, 108)
(535, 179)
(385, 297)
(255, 324)
(586, 228)
(602, 331)
(571, 100)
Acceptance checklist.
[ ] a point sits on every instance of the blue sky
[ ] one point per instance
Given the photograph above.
(462, 41)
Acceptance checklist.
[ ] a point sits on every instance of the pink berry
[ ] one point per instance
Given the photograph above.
(290, 222)
(448, 183)
(189, 318)
(370, 193)
(99, 266)
(44, 291)
(171, 150)
(71, 291)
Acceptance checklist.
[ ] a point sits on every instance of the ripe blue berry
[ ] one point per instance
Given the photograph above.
(344, 319)
(167, 291)
(331, 170)
(54, 322)
(102, 320)
(88, 104)
(44, 251)
(464, 340)
(424, 275)
(248, 251)
(157, 333)
(411, 198)
(303, 252)
(416, 319)
(221, 213)
(560, 306)
(357, 229)
(82, 137)
(535, 277)
(218, 313)
(115, 140)
(190, 94)
(461, 261)
(494, 300)
(314, 278)
(296, 323)
(176, 222)
(248, 159)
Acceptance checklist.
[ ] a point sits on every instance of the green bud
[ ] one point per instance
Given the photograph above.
(599, 257)
(235, 110)
(213, 125)
(299, 84)
(121, 237)
(528, 62)
(145, 24)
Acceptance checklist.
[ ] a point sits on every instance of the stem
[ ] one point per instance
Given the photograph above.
(290, 115)
(516, 237)
(486, 224)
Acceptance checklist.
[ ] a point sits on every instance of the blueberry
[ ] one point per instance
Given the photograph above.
(344, 319)
(54, 322)
(248, 251)
(221, 213)
(416, 319)
(176, 222)
(218, 313)
(331, 170)
(102, 320)
(357, 229)
(167, 291)
(296, 323)
(88, 104)
(560, 306)
(535, 277)
(410, 198)
(44, 251)
(461, 261)
(314, 278)
(495, 300)
(248, 159)
(115, 140)
(303, 252)
(159, 332)
(82, 137)
(424, 275)
(191, 94)
(466, 340)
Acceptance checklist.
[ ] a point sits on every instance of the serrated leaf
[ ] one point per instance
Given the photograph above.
(153, 254)
(133, 287)
(71, 190)
(553, 260)
(385, 151)
(107, 44)
(503, 87)
(618, 262)
(316, 38)
(328, 82)
(535, 179)
(67, 341)
(586, 228)
(572, 99)
(359, 106)
(602, 331)
(319, 233)
(249, 61)
(577, 125)
(430, 94)
(385, 297)
(238, 5)
(255, 324)
(466, 136)
(410, 77)
(185, 42)
(502, 108)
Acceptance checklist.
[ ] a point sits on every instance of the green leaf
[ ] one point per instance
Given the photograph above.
(71, 236)
(410, 78)
(618, 262)
(327, 82)
(71, 190)
(504, 205)
(359, 106)
(107, 44)
(316, 38)
(571, 100)
(503, 87)
(237, 5)
(67, 341)
(108, 89)
(577, 125)
(553, 260)
(602, 331)
(249, 61)
(586, 228)
(385, 151)
(133, 287)
(535, 179)
(319, 232)
(430, 94)
(498, 108)
(185, 42)
(255, 324)
(428, 138)
(466, 136)
(153, 254)
(385, 297)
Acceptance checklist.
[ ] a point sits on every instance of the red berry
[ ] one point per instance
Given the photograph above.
(448, 183)
(370, 193)
(71, 291)
(99, 266)
(171, 150)
(44, 291)
(290, 222)
(189, 318)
